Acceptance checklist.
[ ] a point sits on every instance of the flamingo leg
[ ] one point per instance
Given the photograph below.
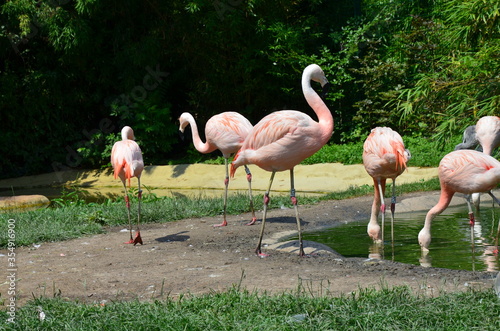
(498, 228)
(226, 184)
(494, 197)
(127, 203)
(294, 202)
(471, 213)
(249, 179)
(495, 251)
(471, 220)
(381, 188)
(266, 202)
(393, 209)
(138, 239)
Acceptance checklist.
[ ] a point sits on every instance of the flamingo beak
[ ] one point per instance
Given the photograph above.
(326, 88)
(181, 135)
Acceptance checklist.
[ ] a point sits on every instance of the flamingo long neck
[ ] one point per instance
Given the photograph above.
(444, 201)
(316, 103)
(200, 146)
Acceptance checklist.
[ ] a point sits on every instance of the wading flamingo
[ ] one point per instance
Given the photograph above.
(384, 156)
(284, 138)
(225, 132)
(464, 171)
(486, 133)
(126, 159)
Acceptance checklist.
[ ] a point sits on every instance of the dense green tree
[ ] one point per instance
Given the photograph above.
(74, 72)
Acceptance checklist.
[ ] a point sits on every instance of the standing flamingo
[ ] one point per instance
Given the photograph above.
(225, 132)
(282, 139)
(464, 171)
(486, 133)
(126, 159)
(384, 156)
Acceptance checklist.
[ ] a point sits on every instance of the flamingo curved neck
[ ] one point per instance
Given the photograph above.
(202, 147)
(325, 117)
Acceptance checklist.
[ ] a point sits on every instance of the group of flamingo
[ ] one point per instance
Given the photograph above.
(464, 171)
(467, 171)
(283, 139)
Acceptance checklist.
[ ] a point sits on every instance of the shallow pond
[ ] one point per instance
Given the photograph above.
(451, 240)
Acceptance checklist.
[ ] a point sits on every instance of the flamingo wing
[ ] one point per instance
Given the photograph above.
(272, 139)
(384, 153)
(227, 131)
(126, 159)
(468, 171)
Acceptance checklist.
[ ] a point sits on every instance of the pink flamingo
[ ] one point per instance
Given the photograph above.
(225, 132)
(126, 159)
(463, 171)
(284, 138)
(486, 133)
(384, 156)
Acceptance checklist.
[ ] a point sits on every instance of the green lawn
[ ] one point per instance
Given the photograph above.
(236, 309)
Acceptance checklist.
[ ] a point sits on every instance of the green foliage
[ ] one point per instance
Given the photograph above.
(462, 83)
(332, 153)
(69, 198)
(75, 72)
(425, 151)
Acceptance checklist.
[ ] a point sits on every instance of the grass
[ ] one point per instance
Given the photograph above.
(237, 309)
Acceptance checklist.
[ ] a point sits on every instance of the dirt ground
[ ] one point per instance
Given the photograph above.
(192, 257)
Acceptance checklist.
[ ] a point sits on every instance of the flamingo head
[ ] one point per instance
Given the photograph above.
(317, 74)
(184, 120)
(127, 133)
(424, 239)
(374, 232)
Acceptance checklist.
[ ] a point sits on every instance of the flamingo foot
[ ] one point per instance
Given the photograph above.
(224, 223)
(131, 241)
(260, 254)
(138, 239)
(252, 222)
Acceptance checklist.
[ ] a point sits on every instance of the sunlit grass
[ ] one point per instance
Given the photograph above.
(237, 309)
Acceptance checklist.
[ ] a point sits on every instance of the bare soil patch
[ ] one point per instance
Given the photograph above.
(192, 257)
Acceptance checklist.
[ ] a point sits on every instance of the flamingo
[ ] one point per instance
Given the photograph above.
(225, 132)
(282, 139)
(126, 159)
(384, 156)
(463, 171)
(486, 133)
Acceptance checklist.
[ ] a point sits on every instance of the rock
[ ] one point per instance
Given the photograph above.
(23, 202)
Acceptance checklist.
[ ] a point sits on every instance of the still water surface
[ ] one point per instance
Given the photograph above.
(451, 239)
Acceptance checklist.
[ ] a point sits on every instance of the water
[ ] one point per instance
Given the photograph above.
(450, 247)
